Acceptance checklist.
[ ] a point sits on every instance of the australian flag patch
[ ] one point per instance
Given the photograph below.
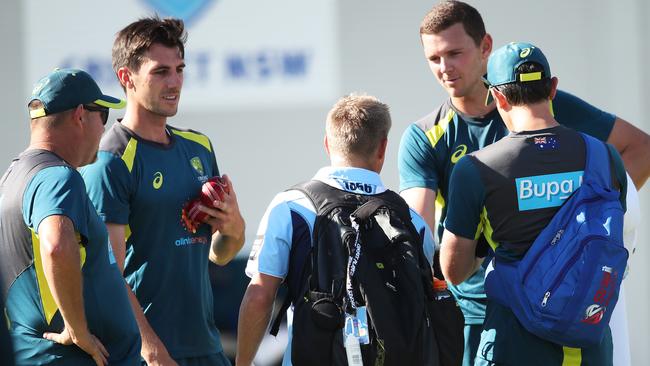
(544, 143)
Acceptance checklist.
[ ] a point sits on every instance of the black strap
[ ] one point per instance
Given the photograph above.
(278, 318)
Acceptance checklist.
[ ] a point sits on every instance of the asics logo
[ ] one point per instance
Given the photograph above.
(525, 52)
(461, 150)
(157, 180)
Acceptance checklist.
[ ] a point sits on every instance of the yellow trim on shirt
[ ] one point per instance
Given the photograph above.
(196, 137)
(439, 204)
(487, 229)
(129, 153)
(572, 356)
(47, 300)
(127, 233)
(82, 250)
(439, 129)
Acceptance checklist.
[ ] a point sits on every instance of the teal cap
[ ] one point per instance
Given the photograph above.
(503, 63)
(65, 89)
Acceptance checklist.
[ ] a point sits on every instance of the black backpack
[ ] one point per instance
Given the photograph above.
(391, 277)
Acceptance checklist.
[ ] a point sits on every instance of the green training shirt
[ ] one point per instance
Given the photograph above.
(39, 184)
(144, 185)
(431, 147)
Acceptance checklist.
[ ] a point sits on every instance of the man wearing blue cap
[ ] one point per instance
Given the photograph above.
(486, 198)
(456, 46)
(65, 299)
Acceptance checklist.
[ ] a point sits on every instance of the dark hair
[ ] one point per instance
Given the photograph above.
(448, 13)
(529, 92)
(136, 38)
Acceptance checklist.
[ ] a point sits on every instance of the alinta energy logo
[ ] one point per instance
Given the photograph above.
(189, 240)
(188, 10)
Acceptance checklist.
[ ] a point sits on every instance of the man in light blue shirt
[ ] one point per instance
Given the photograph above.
(355, 140)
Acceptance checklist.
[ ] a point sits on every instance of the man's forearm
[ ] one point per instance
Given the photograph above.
(62, 269)
(633, 145)
(254, 316)
(151, 344)
(457, 259)
(224, 248)
(637, 163)
(63, 273)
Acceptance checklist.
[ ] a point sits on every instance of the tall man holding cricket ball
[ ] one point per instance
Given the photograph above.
(145, 186)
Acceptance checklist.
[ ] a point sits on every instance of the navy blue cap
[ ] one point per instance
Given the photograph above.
(65, 89)
(503, 64)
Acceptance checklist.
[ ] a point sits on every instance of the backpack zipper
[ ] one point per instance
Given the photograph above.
(569, 263)
(555, 239)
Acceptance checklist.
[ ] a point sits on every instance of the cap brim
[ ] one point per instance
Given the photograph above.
(110, 102)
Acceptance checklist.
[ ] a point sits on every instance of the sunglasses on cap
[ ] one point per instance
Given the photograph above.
(102, 110)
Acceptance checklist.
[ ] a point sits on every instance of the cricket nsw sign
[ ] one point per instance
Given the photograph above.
(239, 53)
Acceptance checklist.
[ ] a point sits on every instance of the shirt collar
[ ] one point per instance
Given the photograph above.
(355, 180)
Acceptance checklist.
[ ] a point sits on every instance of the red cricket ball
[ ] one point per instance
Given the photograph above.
(214, 189)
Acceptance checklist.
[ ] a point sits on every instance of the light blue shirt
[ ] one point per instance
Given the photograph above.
(272, 246)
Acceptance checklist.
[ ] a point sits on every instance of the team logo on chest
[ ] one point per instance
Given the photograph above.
(197, 165)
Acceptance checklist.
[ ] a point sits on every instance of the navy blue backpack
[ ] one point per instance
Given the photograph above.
(566, 286)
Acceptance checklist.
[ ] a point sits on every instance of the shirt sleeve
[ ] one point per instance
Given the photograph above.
(213, 161)
(428, 242)
(579, 115)
(466, 200)
(619, 173)
(109, 186)
(416, 160)
(272, 246)
(56, 190)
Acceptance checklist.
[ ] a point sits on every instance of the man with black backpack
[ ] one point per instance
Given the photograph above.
(550, 203)
(355, 259)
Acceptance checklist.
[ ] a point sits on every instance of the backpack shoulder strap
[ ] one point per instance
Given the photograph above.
(324, 198)
(388, 199)
(597, 165)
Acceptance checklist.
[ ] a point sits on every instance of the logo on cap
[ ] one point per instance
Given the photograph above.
(525, 52)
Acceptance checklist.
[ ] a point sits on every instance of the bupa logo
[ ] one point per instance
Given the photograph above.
(543, 191)
(188, 10)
